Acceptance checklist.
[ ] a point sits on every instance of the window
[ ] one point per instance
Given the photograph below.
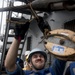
(29, 43)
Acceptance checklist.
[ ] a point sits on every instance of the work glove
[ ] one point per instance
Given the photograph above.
(43, 25)
(20, 30)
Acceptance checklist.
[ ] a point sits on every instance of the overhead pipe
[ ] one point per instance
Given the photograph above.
(42, 5)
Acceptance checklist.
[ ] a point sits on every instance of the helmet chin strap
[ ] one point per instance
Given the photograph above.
(35, 68)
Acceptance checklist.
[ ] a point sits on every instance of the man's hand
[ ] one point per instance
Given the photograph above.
(43, 25)
(21, 29)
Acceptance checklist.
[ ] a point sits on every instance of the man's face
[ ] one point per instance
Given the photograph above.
(37, 61)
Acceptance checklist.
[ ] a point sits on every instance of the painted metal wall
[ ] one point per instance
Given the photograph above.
(55, 19)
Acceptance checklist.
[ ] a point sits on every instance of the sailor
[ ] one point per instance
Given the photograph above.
(37, 57)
